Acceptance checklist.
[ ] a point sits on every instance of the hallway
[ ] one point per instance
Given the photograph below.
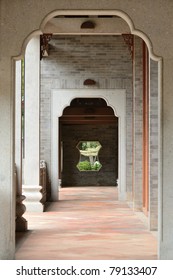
(87, 223)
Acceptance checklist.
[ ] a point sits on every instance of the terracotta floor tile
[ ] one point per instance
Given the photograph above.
(87, 223)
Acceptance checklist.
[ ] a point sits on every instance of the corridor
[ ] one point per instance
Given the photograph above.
(88, 223)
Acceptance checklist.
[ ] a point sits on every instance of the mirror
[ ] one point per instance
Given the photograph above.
(89, 160)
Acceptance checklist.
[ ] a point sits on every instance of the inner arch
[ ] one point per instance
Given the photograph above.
(88, 121)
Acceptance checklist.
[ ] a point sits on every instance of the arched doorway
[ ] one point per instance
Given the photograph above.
(54, 151)
(115, 99)
(88, 121)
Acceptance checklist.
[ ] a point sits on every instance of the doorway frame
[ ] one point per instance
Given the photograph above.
(61, 98)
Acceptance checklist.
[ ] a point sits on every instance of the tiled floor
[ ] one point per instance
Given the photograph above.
(88, 223)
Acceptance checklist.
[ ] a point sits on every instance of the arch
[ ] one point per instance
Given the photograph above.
(88, 95)
(116, 99)
(134, 31)
(118, 13)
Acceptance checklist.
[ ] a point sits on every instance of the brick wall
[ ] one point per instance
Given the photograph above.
(71, 60)
(138, 125)
(153, 179)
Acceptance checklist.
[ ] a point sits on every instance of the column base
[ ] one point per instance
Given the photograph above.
(21, 223)
(34, 207)
(33, 198)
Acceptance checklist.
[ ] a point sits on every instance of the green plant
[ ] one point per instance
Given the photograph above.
(84, 165)
(87, 166)
(96, 166)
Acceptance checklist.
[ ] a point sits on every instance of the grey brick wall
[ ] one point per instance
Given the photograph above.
(71, 60)
(153, 178)
(138, 125)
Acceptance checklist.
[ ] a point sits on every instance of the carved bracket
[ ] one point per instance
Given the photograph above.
(44, 46)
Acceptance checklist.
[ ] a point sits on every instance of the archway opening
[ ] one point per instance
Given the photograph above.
(88, 120)
(131, 192)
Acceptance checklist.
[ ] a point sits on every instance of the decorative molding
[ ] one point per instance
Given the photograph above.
(44, 46)
(129, 40)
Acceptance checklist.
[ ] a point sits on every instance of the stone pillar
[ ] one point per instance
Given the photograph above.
(153, 146)
(21, 223)
(32, 188)
(137, 124)
(7, 190)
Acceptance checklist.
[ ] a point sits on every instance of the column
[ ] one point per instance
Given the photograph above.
(7, 190)
(32, 188)
(21, 223)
